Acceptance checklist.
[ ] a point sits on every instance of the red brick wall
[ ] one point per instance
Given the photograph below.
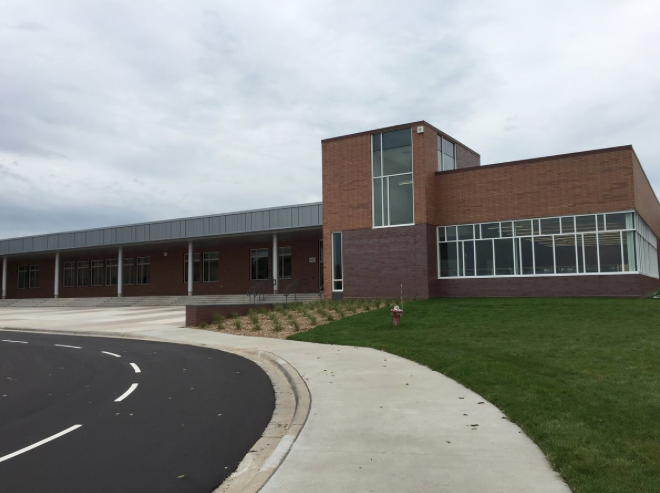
(646, 202)
(167, 271)
(573, 184)
(632, 285)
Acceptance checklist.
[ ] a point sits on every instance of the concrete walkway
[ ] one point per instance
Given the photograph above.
(378, 423)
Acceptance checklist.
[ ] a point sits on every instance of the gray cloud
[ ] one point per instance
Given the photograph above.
(115, 112)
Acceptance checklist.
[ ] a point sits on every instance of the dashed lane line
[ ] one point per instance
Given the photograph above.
(127, 393)
(35, 445)
(135, 367)
(17, 342)
(64, 345)
(112, 354)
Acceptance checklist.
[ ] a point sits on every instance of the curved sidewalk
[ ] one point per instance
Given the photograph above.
(378, 422)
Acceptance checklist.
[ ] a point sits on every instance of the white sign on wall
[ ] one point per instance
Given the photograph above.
(312, 260)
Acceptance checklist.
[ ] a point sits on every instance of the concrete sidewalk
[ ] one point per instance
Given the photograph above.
(378, 422)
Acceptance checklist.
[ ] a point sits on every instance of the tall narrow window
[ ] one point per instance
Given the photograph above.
(392, 190)
(69, 280)
(83, 274)
(211, 266)
(285, 263)
(34, 276)
(609, 250)
(197, 277)
(337, 263)
(504, 257)
(23, 277)
(258, 264)
(97, 272)
(128, 272)
(111, 272)
(143, 270)
(446, 154)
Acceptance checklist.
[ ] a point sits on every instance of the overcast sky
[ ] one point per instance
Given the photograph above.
(114, 112)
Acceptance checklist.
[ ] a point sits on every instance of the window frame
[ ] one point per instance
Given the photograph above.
(95, 267)
(206, 261)
(108, 271)
(333, 278)
(69, 266)
(23, 275)
(267, 257)
(280, 262)
(82, 267)
(140, 262)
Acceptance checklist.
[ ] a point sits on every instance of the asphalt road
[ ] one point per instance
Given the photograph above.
(186, 426)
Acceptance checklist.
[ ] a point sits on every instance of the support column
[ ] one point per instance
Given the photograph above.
(120, 272)
(276, 265)
(4, 278)
(191, 262)
(56, 287)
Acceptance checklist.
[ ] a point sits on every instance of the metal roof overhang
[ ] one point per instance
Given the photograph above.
(289, 218)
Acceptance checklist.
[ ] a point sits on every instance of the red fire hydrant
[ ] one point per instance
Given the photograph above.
(396, 315)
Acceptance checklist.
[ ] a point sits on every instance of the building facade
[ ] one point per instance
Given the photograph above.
(406, 209)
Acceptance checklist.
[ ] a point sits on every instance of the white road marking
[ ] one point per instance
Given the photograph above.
(111, 354)
(135, 367)
(64, 345)
(35, 445)
(18, 342)
(127, 393)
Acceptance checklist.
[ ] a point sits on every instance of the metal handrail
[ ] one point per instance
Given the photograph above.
(293, 287)
(258, 289)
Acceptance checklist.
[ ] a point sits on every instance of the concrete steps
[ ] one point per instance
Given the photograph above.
(106, 302)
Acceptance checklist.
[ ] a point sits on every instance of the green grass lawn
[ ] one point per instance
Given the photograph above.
(580, 376)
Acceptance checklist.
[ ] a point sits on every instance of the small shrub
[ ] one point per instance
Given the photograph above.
(256, 325)
(296, 325)
(254, 317)
(262, 310)
(312, 318)
(277, 326)
(203, 325)
(218, 319)
(237, 323)
(322, 311)
(330, 317)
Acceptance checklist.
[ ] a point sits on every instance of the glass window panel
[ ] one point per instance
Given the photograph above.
(568, 224)
(401, 199)
(386, 203)
(504, 257)
(580, 253)
(441, 233)
(629, 263)
(128, 271)
(258, 264)
(197, 268)
(376, 165)
(34, 276)
(565, 254)
(527, 255)
(111, 272)
(448, 148)
(465, 232)
(585, 223)
(375, 142)
(285, 263)
(601, 222)
(590, 253)
(378, 202)
(448, 259)
(523, 228)
(143, 270)
(211, 266)
(550, 226)
(543, 257)
(23, 277)
(448, 163)
(397, 161)
(616, 221)
(83, 274)
(468, 258)
(451, 233)
(397, 138)
(490, 230)
(484, 257)
(507, 229)
(477, 232)
(97, 272)
(69, 274)
(609, 248)
(337, 266)
(537, 229)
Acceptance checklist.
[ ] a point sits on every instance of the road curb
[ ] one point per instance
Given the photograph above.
(292, 405)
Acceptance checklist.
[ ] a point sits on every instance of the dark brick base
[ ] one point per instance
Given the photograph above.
(634, 286)
(196, 314)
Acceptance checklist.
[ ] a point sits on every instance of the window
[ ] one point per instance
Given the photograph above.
(127, 273)
(143, 270)
(284, 268)
(392, 192)
(34, 276)
(97, 272)
(612, 243)
(446, 154)
(83, 274)
(69, 280)
(111, 272)
(211, 266)
(23, 277)
(258, 264)
(337, 263)
(196, 268)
